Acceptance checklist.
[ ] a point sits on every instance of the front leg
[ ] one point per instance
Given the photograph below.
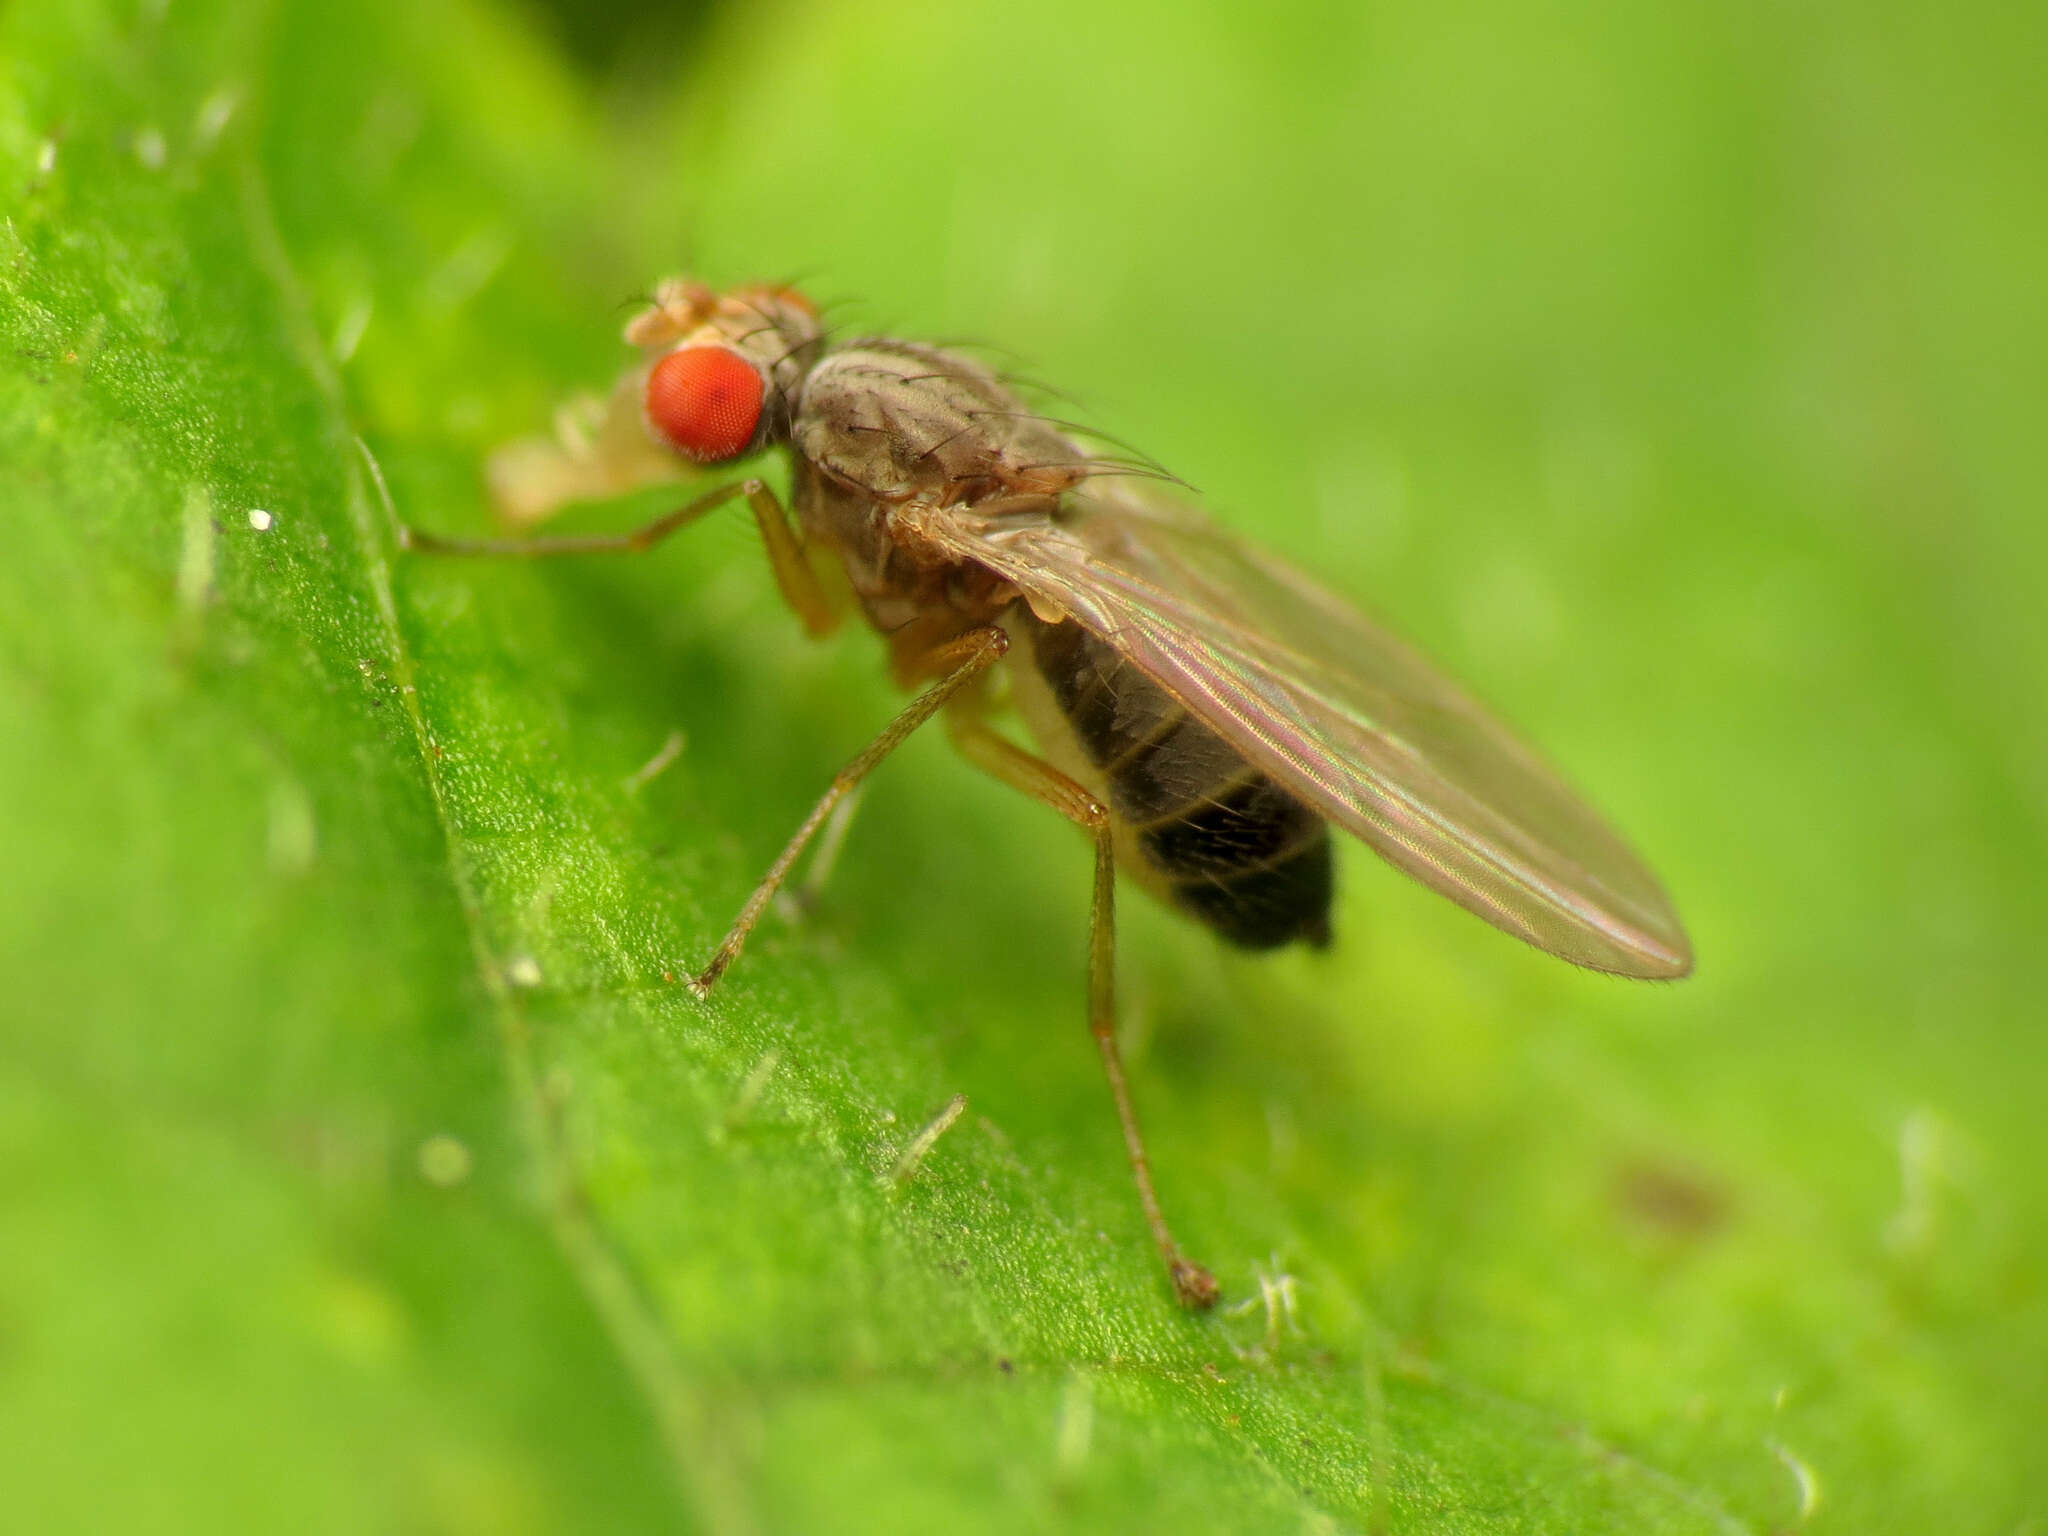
(794, 576)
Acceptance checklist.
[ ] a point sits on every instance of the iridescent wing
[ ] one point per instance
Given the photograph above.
(1339, 712)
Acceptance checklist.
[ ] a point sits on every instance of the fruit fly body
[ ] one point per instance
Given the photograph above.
(1203, 712)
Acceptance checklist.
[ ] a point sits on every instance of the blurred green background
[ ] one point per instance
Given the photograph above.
(1675, 374)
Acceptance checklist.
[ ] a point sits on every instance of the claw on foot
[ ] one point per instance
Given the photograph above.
(1194, 1285)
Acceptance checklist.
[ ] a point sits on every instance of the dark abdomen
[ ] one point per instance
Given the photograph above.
(1222, 841)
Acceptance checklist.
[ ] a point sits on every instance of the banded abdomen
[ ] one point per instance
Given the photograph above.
(1195, 821)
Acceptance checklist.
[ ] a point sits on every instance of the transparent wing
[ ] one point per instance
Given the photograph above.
(1340, 712)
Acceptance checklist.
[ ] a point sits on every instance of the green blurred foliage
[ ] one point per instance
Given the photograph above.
(1675, 374)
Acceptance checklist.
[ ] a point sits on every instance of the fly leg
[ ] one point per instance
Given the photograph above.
(961, 661)
(793, 574)
(994, 754)
(794, 902)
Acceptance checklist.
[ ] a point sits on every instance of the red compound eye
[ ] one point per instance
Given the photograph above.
(706, 401)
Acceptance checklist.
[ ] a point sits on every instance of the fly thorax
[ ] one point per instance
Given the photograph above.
(903, 421)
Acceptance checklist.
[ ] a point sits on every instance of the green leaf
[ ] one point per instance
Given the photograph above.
(360, 1165)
